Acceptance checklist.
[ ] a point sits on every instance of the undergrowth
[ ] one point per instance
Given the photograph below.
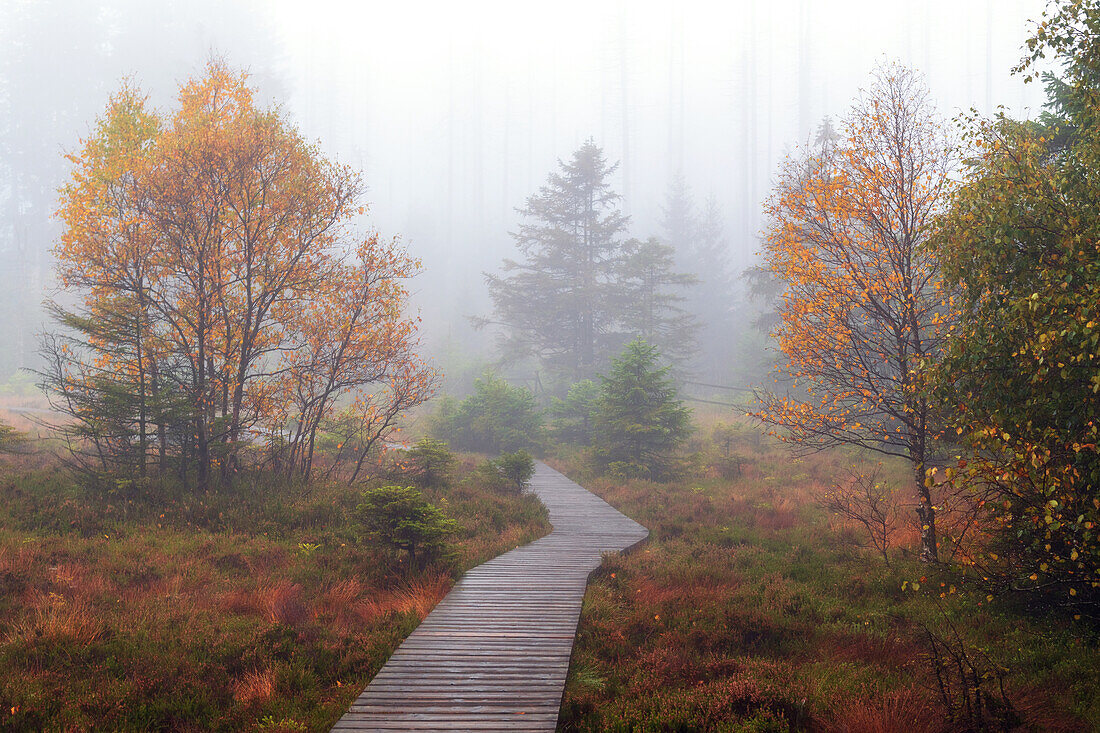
(751, 608)
(259, 607)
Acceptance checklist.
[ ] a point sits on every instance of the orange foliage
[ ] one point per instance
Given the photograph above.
(222, 281)
(863, 309)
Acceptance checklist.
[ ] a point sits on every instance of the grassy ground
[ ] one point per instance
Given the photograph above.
(259, 608)
(751, 608)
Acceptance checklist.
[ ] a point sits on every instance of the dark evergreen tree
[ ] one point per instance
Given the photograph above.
(558, 304)
(581, 290)
(650, 308)
(640, 422)
(765, 291)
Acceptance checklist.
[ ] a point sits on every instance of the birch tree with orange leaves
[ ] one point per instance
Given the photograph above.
(864, 308)
(350, 343)
(223, 291)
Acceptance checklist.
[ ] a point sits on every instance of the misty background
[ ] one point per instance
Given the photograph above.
(456, 113)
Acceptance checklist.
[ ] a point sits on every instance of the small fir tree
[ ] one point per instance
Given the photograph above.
(640, 421)
(430, 463)
(515, 468)
(400, 518)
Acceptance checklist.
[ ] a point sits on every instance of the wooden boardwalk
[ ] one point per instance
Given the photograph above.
(494, 653)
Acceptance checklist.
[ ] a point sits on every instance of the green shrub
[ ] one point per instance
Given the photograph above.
(487, 476)
(573, 419)
(430, 463)
(10, 438)
(496, 417)
(400, 518)
(516, 468)
(623, 470)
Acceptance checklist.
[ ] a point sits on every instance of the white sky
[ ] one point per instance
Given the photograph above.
(457, 111)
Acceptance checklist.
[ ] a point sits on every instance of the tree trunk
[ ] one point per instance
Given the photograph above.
(142, 388)
(158, 417)
(926, 512)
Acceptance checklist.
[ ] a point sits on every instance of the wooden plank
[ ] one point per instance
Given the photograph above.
(494, 654)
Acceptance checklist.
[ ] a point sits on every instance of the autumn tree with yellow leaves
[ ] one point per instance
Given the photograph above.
(225, 301)
(1020, 377)
(863, 308)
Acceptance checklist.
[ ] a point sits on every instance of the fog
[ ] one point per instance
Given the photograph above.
(456, 112)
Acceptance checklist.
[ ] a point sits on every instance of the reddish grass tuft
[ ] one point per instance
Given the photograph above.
(870, 649)
(283, 603)
(418, 596)
(77, 580)
(57, 618)
(255, 686)
(242, 602)
(1043, 708)
(905, 710)
(778, 517)
(341, 603)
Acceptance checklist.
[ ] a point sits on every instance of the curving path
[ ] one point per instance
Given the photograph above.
(494, 653)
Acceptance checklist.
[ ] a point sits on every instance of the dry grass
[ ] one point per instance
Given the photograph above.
(150, 608)
(340, 603)
(750, 608)
(904, 710)
(53, 617)
(417, 596)
(256, 686)
(282, 603)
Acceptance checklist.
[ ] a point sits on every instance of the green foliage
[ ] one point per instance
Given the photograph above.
(496, 417)
(400, 518)
(573, 419)
(516, 468)
(650, 299)
(640, 422)
(430, 463)
(749, 606)
(1021, 380)
(20, 384)
(488, 477)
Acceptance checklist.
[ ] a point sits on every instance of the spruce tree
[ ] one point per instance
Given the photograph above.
(558, 304)
(651, 300)
(640, 422)
(582, 290)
